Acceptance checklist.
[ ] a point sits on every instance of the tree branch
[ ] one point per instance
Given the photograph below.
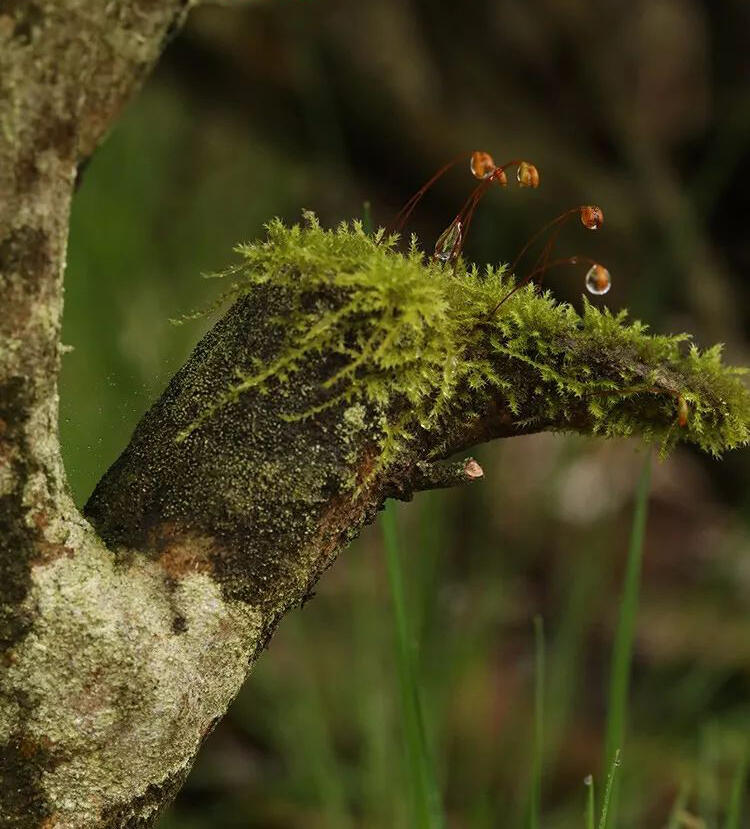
(233, 496)
(445, 475)
(66, 69)
(341, 375)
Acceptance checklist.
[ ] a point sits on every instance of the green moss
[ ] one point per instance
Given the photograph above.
(418, 341)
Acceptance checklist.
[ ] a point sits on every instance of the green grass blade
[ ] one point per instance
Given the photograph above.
(708, 775)
(367, 218)
(678, 809)
(538, 757)
(590, 811)
(623, 646)
(422, 782)
(609, 791)
(739, 787)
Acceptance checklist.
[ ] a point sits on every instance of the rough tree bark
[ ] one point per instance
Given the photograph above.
(87, 648)
(126, 633)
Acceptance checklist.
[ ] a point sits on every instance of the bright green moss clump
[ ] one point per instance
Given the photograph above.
(417, 342)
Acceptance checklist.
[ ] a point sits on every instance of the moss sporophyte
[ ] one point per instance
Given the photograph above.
(419, 345)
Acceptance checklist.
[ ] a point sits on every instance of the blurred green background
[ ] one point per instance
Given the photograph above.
(265, 108)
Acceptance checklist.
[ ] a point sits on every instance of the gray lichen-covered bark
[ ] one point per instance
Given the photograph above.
(102, 703)
(125, 633)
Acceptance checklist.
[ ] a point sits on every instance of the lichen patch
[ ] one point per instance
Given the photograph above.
(119, 699)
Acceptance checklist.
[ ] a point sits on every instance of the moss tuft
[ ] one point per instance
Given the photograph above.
(416, 341)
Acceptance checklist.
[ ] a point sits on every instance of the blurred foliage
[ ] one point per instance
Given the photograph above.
(270, 107)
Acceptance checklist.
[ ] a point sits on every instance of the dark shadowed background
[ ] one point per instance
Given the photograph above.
(264, 108)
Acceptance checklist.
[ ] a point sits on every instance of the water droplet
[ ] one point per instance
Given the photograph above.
(448, 242)
(482, 164)
(588, 780)
(592, 216)
(527, 175)
(598, 280)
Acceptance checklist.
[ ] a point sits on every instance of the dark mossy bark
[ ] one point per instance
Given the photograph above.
(273, 495)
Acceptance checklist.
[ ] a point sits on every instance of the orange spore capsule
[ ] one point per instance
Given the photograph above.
(598, 280)
(499, 176)
(682, 411)
(527, 175)
(482, 164)
(592, 216)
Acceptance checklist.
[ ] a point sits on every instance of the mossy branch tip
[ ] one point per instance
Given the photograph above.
(426, 346)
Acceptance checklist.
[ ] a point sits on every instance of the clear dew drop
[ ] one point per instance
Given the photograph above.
(448, 242)
(527, 175)
(598, 280)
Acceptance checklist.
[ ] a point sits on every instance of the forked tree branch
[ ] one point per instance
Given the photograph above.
(124, 640)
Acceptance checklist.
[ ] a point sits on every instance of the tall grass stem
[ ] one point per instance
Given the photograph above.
(622, 654)
(609, 791)
(367, 218)
(422, 782)
(590, 810)
(538, 756)
(739, 787)
(678, 809)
